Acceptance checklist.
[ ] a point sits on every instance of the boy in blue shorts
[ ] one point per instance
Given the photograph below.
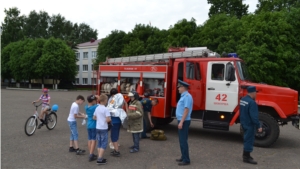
(74, 114)
(102, 115)
(91, 124)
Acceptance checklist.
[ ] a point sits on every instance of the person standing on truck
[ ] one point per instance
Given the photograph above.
(249, 122)
(183, 115)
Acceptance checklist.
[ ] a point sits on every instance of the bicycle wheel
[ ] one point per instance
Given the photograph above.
(51, 121)
(30, 125)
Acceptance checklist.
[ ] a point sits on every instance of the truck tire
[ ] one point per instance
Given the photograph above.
(270, 132)
(165, 121)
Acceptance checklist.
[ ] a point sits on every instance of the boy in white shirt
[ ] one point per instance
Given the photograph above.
(102, 115)
(74, 113)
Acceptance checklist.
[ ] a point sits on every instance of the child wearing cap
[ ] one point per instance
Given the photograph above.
(91, 124)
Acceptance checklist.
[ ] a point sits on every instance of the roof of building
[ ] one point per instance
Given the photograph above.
(92, 42)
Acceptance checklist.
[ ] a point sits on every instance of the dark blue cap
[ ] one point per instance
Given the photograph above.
(182, 83)
(251, 89)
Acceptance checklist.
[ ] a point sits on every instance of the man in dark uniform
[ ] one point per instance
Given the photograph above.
(249, 122)
(183, 115)
(147, 107)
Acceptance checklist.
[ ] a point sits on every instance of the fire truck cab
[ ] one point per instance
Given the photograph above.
(216, 84)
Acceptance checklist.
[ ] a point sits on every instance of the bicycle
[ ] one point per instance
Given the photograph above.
(50, 119)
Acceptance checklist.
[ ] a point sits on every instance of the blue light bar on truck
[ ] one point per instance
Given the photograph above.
(234, 55)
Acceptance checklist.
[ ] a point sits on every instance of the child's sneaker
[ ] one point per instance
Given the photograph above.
(80, 152)
(101, 162)
(111, 146)
(116, 154)
(92, 157)
(71, 149)
(134, 150)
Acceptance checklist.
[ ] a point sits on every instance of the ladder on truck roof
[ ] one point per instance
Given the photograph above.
(199, 52)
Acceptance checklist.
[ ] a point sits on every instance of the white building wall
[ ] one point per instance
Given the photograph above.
(85, 61)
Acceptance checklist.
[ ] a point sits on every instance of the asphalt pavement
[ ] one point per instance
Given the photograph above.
(49, 149)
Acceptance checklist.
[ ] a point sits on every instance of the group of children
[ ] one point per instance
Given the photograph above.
(98, 118)
(102, 116)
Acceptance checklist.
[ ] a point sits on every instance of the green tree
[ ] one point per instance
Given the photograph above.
(269, 49)
(12, 26)
(5, 57)
(144, 39)
(36, 25)
(228, 7)
(135, 47)
(157, 42)
(58, 61)
(111, 46)
(221, 33)
(32, 52)
(180, 35)
(276, 5)
(16, 60)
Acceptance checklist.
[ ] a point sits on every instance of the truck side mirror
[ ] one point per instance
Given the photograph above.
(230, 72)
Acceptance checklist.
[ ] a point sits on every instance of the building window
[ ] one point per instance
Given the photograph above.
(77, 56)
(94, 54)
(78, 67)
(94, 81)
(85, 55)
(217, 72)
(77, 81)
(85, 68)
(84, 80)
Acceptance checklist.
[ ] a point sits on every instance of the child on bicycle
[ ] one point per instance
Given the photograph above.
(91, 124)
(45, 97)
(102, 115)
(74, 113)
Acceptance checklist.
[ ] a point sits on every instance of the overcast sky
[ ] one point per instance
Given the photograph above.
(108, 15)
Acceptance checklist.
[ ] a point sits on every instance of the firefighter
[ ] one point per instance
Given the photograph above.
(249, 122)
(147, 106)
(183, 115)
(135, 120)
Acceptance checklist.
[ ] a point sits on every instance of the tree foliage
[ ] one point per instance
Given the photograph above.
(57, 61)
(270, 50)
(112, 45)
(181, 33)
(41, 25)
(228, 7)
(276, 5)
(39, 58)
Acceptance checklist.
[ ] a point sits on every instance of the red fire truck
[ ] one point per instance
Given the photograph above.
(216, 84)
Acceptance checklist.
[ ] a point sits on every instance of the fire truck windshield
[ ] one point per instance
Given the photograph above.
(243, 71)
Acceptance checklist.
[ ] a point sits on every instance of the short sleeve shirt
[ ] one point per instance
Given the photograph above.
(147, 106)
(185, 101)
(91, 123)
(101, 113)
(74, 110)
(45, 99)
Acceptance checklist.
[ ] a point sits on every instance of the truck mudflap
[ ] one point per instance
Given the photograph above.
(296, 121)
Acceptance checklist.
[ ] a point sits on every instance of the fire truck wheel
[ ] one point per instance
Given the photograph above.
(270, 132)
(165, 121)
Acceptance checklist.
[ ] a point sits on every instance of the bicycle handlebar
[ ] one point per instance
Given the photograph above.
(34, 103)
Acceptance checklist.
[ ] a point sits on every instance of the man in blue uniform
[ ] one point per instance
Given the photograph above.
(147, 107)
(183, 115)
(249, 122)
